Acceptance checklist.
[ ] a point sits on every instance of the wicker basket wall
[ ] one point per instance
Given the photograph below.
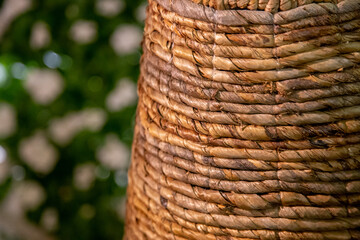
(248, 123)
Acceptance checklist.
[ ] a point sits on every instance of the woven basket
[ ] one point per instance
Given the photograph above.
(248, 123)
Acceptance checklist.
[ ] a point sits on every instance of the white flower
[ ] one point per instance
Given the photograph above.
(83, 31)
(109, 8)
(84, 176)
(38, 153)
(114, 154)
(24, 196)
(44, 85)
(7, 120)
(123, 95)
(63, 130)
(50, 219)
(126, 39)
(40, 35)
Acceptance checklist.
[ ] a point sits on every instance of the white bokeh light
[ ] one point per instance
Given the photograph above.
(8, 120)
(3, 74)
(83, 31)
(123, 95)
(3, 154)
(52, 59)
(18, 70)
(40, 35)
(126, 39)
(109, 8)
(44, 85)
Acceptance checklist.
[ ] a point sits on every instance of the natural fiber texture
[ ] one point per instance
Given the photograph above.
(248, 123)
(267, 5)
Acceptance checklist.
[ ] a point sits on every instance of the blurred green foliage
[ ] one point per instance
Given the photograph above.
(90, 72)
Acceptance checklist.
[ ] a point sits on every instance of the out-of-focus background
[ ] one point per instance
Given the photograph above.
(68, 72)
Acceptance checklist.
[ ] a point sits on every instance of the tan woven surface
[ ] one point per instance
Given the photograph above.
(248, 123)
(266, 5)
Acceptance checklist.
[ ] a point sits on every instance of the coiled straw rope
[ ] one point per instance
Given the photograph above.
(248, 123)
